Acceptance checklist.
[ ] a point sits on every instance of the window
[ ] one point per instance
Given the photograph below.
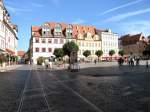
(61, 41)
(82, 43)
(43, 40)
(37, 40)
(49, 41)
(49, 49)
(80, 52)
(92, 44)
(79, 44)
(56, 41)
(86, 44)
(36, 49)
(43, 50)
(58, 29)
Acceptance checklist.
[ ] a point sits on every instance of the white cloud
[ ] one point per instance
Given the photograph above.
(119, 7)
(17, 10)
(37, 5)
(120, 17)
(78, 21)
(135, 27)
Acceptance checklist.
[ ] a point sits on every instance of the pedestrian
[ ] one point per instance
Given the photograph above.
(146, 63)
(137, 61)
(46, 64)
(129, 61)
(119, 61)
(95, 61)
(132, 62)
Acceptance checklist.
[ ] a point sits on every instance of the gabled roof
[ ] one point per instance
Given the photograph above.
(132, 39)
(21, 53)
(36, 28)
(77, 29)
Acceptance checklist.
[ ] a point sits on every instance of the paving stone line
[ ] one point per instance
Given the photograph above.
(44, 94)
(77, 94)
(22, 96)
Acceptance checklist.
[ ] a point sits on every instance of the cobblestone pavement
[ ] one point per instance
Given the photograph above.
(110, 89)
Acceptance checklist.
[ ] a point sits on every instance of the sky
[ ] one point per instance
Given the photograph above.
(121, 16)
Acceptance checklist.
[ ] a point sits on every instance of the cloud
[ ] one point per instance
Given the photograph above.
(120, 17)
(135, 27)
(17, 10)
(119, 7)
(37, 5)
(78, 21)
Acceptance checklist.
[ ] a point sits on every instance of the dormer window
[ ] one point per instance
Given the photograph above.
(46, 31)
(69, 31)
(58, 30)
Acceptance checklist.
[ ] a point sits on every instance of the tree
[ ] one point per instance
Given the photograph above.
(59, 53)
(99, 53)
(40, 60)
(121, 52)
(69, 47)
(111, 53)
(87, 53)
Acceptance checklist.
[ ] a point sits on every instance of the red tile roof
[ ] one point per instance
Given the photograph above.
(36, 28)
(21, 53)
(132, 39)
(77, 29)
(10, 51)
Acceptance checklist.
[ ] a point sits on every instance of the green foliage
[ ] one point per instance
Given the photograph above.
(69, 47)
(58, 52)
(40, 60)
(99, 53)
(121, 52)
(111, 52)
(87, 53)
(17, 58)
(2, 58)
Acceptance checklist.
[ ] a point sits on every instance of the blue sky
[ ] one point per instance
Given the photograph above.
(122, 16)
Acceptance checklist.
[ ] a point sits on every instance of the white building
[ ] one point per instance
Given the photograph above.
(46, 38)
(109, 42)
(8, 32)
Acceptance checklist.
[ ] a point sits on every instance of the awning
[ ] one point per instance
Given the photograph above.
(2, 51)
(10, 52)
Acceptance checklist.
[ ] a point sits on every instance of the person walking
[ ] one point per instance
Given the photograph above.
(137, 61)
(147, 63)
(95, 61)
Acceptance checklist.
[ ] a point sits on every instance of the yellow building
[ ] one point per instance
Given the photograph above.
(88, 42)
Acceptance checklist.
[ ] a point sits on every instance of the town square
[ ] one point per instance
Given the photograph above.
(74, 56)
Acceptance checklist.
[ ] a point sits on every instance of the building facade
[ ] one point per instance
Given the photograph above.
(134, 44)
(8, 33)
(109, 41)
(46, 38)
(88, 42)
